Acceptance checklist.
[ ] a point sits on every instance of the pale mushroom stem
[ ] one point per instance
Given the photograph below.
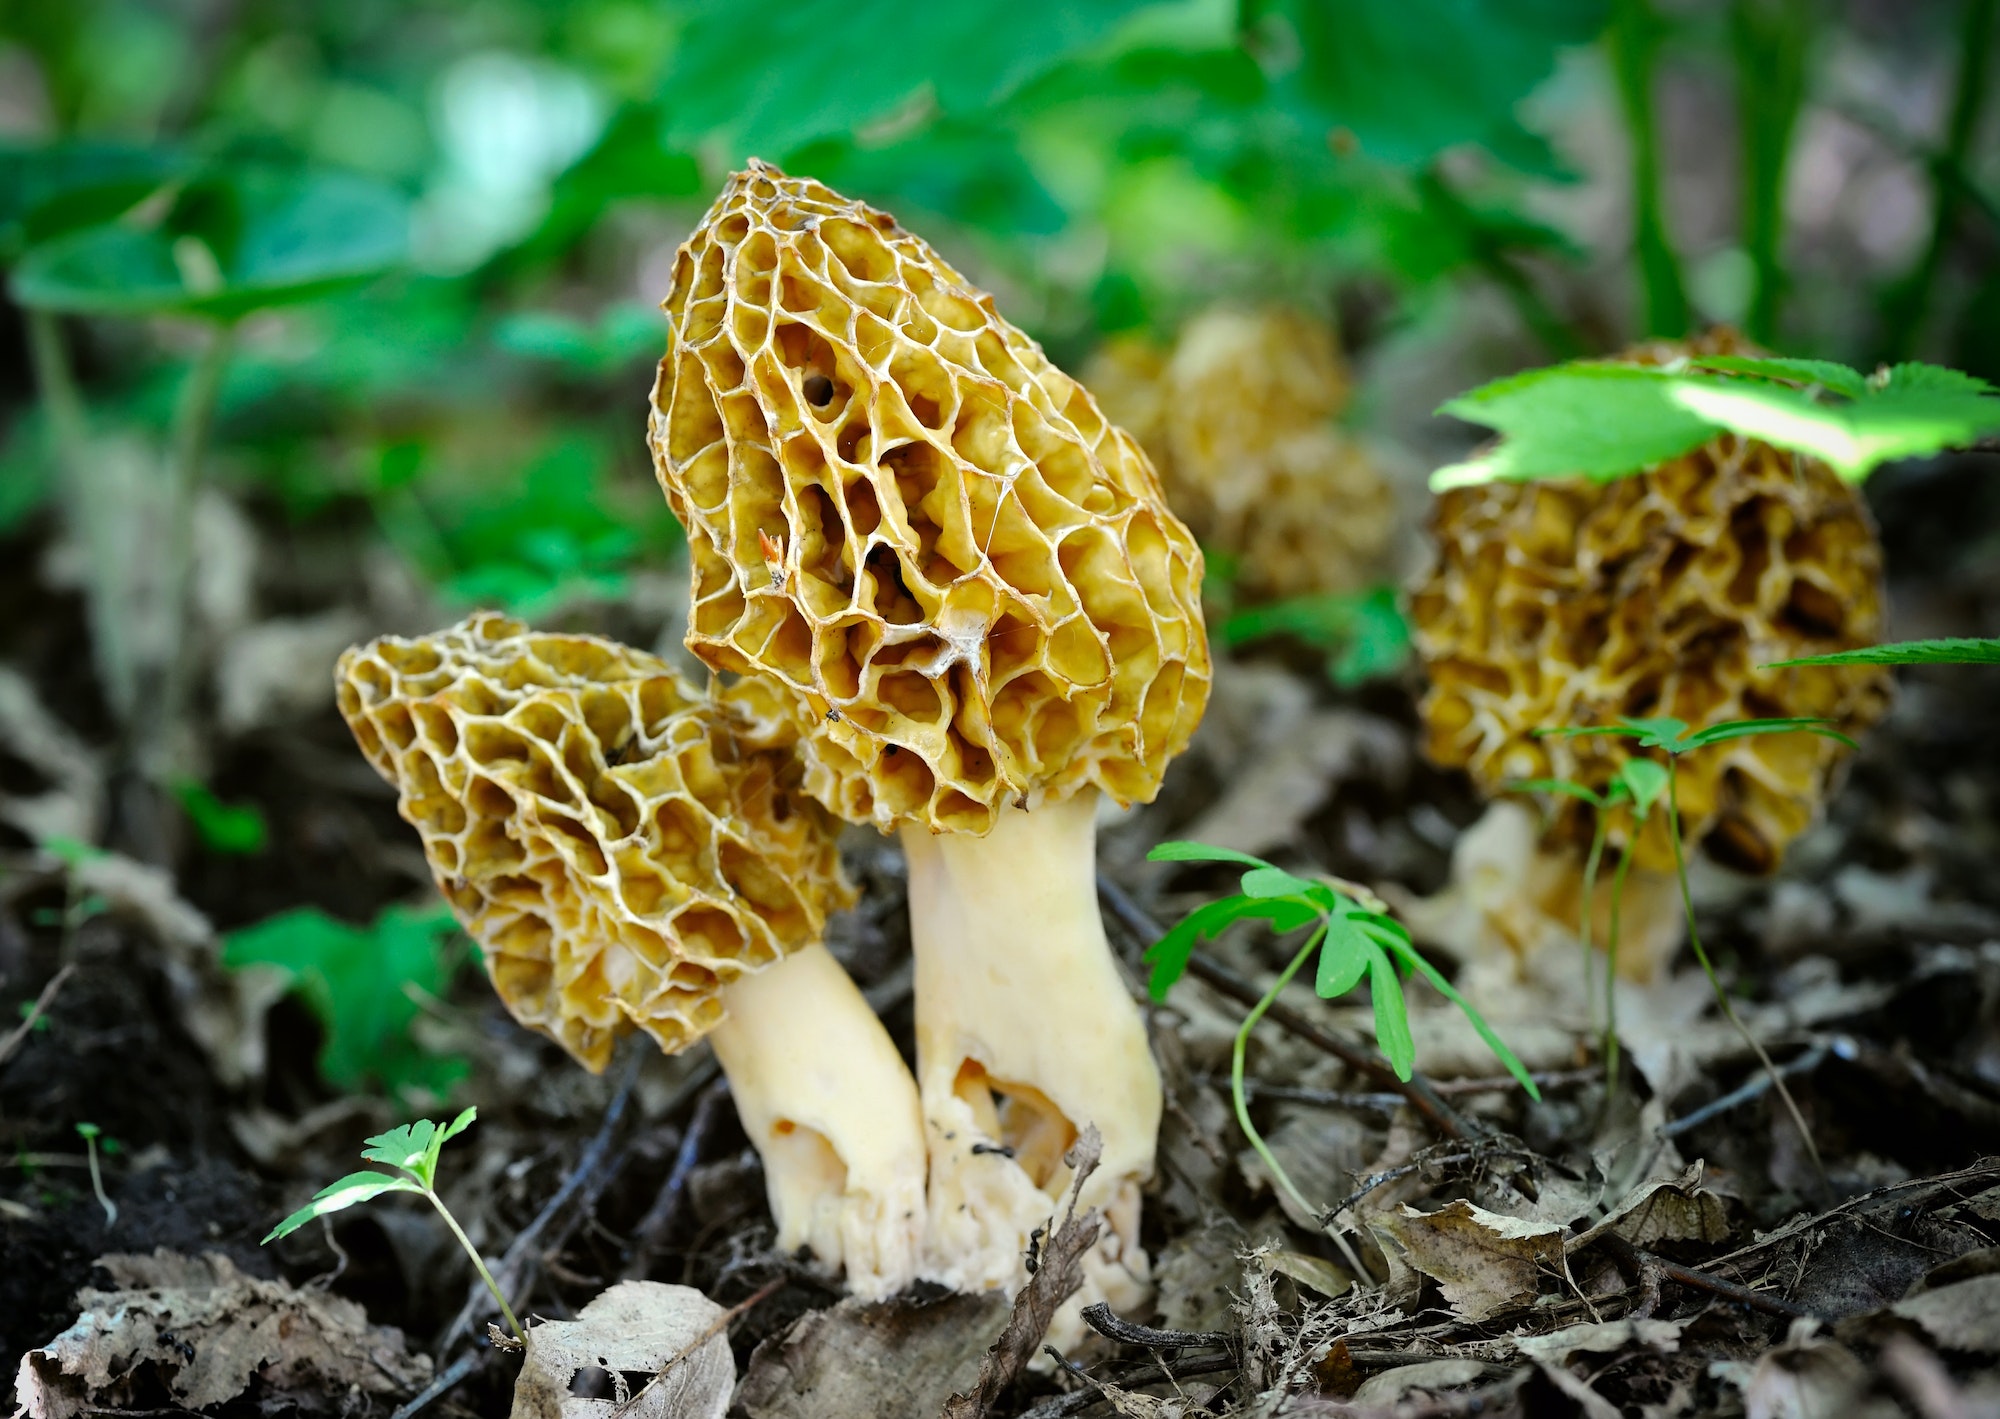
(833, 1111)
(1025, 1033)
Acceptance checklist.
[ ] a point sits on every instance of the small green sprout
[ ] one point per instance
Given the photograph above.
(1353, 942)
(1639, 784)
(90, 1133)
(1674, 738)
(233, 829)
(412, 1150)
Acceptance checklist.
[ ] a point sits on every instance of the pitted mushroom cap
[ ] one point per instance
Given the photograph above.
(1236, 418)
(1573, 603)
(963, 577)
(616, 850)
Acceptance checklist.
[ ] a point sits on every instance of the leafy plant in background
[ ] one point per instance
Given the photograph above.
(1638, 786)
(366, 986)
(1605, 420)
(1363, 632)
(1354, 940)
(411, 1150)
(233, 829)
(1674, 738)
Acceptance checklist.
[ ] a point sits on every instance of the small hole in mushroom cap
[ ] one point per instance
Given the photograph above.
(818, 390)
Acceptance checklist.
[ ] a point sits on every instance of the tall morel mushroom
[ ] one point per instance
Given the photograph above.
(967, 585)
(1575, 602)
(1238, 419)
(627, 858)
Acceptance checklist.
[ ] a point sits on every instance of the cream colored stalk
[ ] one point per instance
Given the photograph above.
(831, 1109)
(1025, 1034)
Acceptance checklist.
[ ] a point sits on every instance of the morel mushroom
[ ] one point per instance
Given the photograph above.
(627, 859)
(1237, 418)
(1575, 602)
(966, 582)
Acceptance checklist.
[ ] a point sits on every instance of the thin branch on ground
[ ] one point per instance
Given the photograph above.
(654, 1227)
(15, 1037)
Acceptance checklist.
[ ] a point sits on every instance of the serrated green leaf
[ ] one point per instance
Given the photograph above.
(1842, 380)
(1854, 438)
(1201, 852)
(1392, 1017)
(441, 1137)
(1913, 377)
(354, 1188)
(407, 1147)
(1590, 420)
(1951, 650)
(1485, 1032)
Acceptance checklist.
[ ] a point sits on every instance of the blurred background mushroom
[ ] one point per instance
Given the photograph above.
(628, 860)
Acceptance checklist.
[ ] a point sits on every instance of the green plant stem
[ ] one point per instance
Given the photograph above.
(1909, 300)
(1590, 865)
(194, 415)
(1611, 967)
(1721, 995)
(97, 1183)
(1771, 39)
(1634, 38)
(479, 1264)
(1242, 1101)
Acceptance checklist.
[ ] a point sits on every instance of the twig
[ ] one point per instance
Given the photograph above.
(12, 1040)
(1112, 1326)
(1068, 1404)
(1480, 1151)
(1637, 1262)
(446, 1379)
(660, 1217)
(1757, 1085)
(511, 1276)
(1418, 1090)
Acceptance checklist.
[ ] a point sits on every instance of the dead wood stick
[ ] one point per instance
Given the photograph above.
(652, 1230)
(1112, 1326)
(1417, 1089)
(11, 1041)
(1636, 1262)
(446, 1379)
(1067, 1404)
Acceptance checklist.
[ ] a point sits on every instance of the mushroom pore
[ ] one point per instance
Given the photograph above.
(911, 528)
(627, 858)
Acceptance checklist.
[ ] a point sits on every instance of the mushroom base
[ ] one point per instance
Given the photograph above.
(833, 1112)
(1025, 1034)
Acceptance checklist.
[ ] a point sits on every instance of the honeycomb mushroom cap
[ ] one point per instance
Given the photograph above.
(1237, 418)
(617, 851)
(964, 577)
(1571, 602)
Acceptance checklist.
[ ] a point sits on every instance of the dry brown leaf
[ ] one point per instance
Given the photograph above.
(894, 1359)
(1391, 1385)
(1677, 1209)
(208, 1331)
(1058, 1277)
(1483, 1262)
(1962, 1316)
(1323, 1276)
(1600, 1338)
(1809, 1378)
(663, 1347)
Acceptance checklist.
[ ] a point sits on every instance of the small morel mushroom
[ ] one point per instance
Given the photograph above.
(1237, 418)
(968, 586)
(1574, 602)
(627, 859)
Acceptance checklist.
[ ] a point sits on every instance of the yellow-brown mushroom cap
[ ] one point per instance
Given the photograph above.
(1574, 603)
(617, 851)
(964, 578)
(1237, 419)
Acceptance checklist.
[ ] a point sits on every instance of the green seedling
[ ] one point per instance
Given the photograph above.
(234, 829)
(1952, 650)
(90, 1133)
(1353, 942)
(413, 1151)
(1639, 784)
(1674, 738)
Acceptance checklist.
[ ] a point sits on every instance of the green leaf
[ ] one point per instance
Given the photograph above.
(1554, 785)
(48, 191)
(1275, 882)
(1951, 650)
(1645, 780)
(1392, 1017)
(1591, 420)
(407, 1146)
(817, 68)
(1445, 988)
(1855, 438)
(1365, 630)
(440, 1138)
(229, 828)
(234, 241)
(1201, 852)
(1746, 728)
(1825, 373)
(363, 984)
(1169, 955)
(1343, 959)
(355, 1187)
